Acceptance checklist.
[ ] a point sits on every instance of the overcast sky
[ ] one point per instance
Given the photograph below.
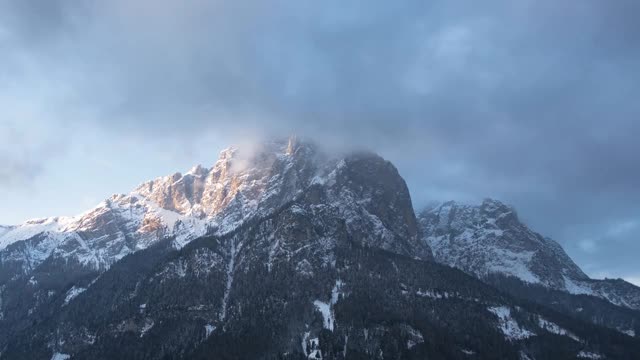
(531, 102)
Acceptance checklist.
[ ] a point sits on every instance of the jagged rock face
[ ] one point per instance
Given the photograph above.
(118, 226)
(363, 191)
(490, 239)
(380, 199)
(241, 185)
(183, 206)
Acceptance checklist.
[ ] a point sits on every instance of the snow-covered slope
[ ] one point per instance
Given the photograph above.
(185, 206)
(242, 185)
(4, 229)
(116, 227)
(489, 239)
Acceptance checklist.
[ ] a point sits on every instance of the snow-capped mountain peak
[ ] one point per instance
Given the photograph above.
(489, 239)
(244, 184)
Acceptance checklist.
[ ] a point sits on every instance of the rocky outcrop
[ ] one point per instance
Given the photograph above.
(489, 239)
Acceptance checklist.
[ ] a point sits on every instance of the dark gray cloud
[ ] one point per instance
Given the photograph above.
(533, 102)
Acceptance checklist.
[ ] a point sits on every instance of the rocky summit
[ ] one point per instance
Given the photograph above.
(489, 239)
(285, 251)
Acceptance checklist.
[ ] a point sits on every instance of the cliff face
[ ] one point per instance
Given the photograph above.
(361, 197)
(489, 239)
(242, 185)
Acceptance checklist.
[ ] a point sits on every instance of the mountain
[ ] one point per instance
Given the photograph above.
(282, 252)
(240, 186)
(322, 296)
(489, 240)
(301, 283)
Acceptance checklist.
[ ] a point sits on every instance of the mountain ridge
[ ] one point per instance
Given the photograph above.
(341, 301)
(282, 253)
(239, 186)
(490, 238)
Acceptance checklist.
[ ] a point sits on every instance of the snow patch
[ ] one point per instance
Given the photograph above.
(524, 356)
(209, 329)
(318, 180)
(305, 337)
(514, 264)
(327, 315)
(326, 309)
(32, 228)
(508, 325)
(73, 293)
(433, 294)
(148, 324)
(589, 355)
(233, 253)
(415, 337)
(344, 349)
(60, 356)
(631, 333)
(555, 329)
(314, 349)
(577, 288)
(335, 293)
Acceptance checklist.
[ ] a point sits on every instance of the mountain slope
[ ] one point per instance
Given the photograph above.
(297, 284)
(240, 185)
(279, 253)
(62, 256)
(489, 239)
